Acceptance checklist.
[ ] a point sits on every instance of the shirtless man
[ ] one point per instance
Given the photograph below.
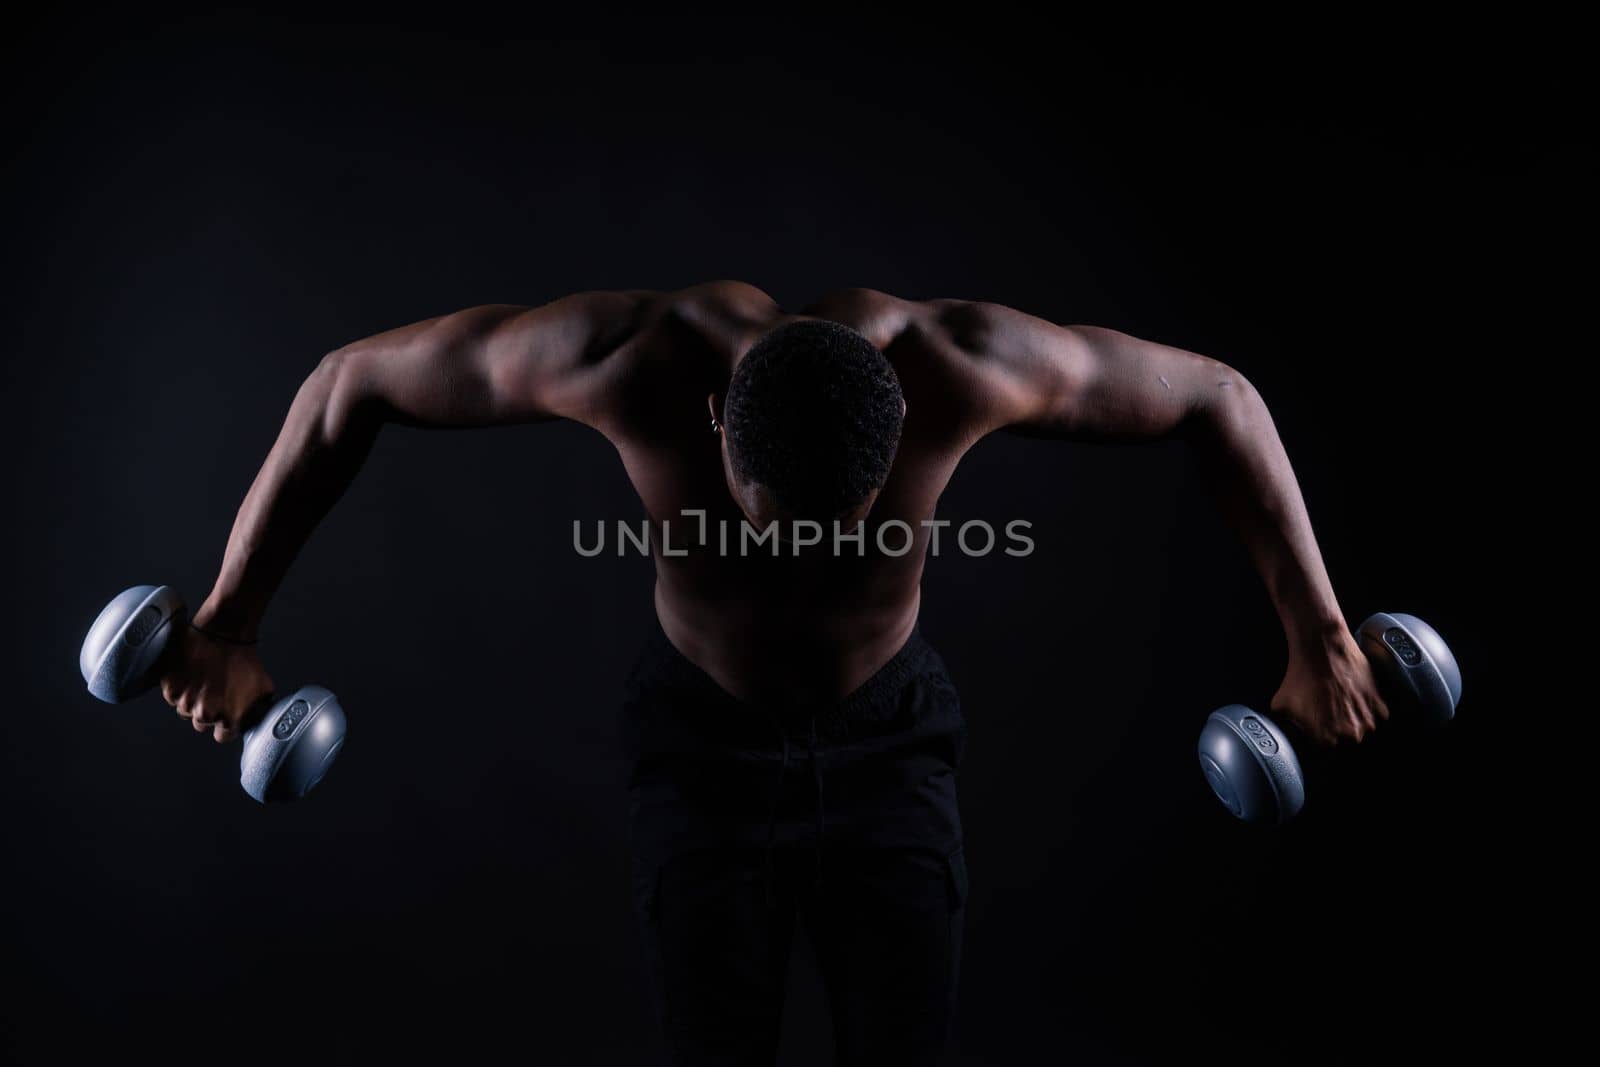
(792, 740)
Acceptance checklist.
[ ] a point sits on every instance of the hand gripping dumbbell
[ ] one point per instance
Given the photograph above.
(285, 754)
(1248, 760)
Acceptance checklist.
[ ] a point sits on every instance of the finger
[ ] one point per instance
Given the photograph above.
(1358, 726)
(1371, 707)
(223, 733)
(1355, 713)
(169, 691)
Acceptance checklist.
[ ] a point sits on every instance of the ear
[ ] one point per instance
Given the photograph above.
(902, 408)
(714, 405)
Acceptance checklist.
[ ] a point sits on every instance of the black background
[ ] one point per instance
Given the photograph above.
(1362, 217)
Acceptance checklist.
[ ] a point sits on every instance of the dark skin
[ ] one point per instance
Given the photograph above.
(648, 370)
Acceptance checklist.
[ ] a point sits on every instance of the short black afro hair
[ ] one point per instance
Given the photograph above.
(813, 413)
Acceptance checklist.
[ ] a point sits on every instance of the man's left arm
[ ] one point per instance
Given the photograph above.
(1094, 384)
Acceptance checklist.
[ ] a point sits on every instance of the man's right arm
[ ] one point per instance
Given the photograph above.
(484, 366)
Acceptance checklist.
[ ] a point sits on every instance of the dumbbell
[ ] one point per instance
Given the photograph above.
(285, 754)
(1247, 758)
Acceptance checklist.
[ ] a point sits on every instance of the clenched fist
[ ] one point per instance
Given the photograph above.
(1331, 694)
(215, 684)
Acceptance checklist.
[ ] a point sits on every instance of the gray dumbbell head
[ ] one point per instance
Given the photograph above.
(287, 753)
(120, 655)
(1411, 658)
(1251, 766)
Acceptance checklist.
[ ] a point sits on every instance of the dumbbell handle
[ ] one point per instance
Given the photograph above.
(1249, 761)
(283, 756)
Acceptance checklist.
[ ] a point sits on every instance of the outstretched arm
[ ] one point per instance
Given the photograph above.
(483, 366)
(1088, 383)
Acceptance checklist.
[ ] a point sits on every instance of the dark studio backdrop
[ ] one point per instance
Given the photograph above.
(197, 208)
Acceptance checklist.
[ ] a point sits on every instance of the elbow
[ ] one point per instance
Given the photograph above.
(1226, 406)
(1230, 398)
(337, 399)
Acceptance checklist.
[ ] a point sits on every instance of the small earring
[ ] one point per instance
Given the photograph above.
(715, 425)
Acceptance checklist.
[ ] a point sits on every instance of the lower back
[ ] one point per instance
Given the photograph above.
(788, 630)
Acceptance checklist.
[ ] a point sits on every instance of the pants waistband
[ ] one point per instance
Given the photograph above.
(864, 710)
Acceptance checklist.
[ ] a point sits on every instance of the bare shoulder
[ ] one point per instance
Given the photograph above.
(720, 307)
(970, 326)
(705, 301)
(983, 329)
(880, 317)
(964, 364)
(651, 377)
(604, 326)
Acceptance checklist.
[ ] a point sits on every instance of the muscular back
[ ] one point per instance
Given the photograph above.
(775, 620)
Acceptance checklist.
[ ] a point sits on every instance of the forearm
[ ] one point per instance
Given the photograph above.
(1094, 384)
(325, 437)
(1246, 462)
